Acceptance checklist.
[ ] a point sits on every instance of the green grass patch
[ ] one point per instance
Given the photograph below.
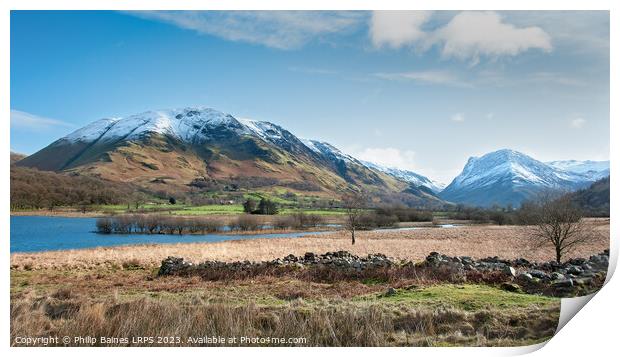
(373, 281)
(210, 209)
(468, 297)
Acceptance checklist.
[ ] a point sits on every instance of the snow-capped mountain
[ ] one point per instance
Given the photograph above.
(190, 125)
(169, 150)
(408, 176)
(593, 169)
(193, 126)
(328, 150)
(508, 177)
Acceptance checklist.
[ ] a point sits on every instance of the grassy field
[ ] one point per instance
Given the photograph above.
(177, 209)
(132, 301)
(116, 292)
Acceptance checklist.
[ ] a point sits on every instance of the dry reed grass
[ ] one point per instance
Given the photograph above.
(509, 242)
(325, 323)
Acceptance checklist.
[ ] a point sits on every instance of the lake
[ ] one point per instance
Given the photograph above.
(39, 233)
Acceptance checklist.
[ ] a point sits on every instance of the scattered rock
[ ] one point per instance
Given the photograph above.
(557, 276)
(510, 287)
(574, 270)
(172, 265)
(510, 271)
(564, 283)
(569, 278)
(538, 274)
(390, 292)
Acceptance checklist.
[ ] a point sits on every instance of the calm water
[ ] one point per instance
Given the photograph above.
(36, 234)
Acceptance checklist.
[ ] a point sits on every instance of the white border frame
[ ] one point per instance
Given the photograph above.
(590, 331)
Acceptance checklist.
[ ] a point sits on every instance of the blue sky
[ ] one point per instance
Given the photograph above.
(416, 90)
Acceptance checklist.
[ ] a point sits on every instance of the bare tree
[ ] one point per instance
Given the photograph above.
(558, 222)
(354, 203)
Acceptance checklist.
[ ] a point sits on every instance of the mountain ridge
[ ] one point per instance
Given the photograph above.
(507, 176)
(408, 176)
(174, 148)
(165, 148)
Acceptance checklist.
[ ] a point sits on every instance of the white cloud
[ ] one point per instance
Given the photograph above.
(583, 32)
(397, 28)
(469, 35)
(26, 120)
(390, 157)
(484, 78)
(458, 118)
(430, 77)
(472, 34)
(276, 29)
(577, 123)
(553, 78)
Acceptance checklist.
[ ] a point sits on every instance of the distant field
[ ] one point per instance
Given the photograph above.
(178, 209)
(209, 210)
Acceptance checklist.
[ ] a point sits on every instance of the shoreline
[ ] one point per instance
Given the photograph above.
(506, 242)
(258, 234)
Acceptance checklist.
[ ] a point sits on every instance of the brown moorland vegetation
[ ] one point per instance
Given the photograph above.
(130, 300)
(34, 189)
(508, 242)
(115, 292)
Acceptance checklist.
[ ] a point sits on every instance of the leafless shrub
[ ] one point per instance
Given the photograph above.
(152, 223)
(122, 224)
(559, 224)
(315, 220)
(167, 225)
(354, 203)
(211, 225)
(247, 222)
(283, 222)
(179, 223)
(301, 220)
(104, 225)
(140, 222)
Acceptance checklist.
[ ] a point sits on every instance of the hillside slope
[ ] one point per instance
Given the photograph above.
(594, 200)
(171, 150)
(15, 157)
(34, 189)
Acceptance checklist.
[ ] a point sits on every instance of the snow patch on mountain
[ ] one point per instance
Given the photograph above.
(407, 176)
(264, 129)
(328, 150)
(92, 131)
(595, 170)
(185, 124)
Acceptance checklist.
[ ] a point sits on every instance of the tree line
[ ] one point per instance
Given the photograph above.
(34, 189)
(160, 224)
